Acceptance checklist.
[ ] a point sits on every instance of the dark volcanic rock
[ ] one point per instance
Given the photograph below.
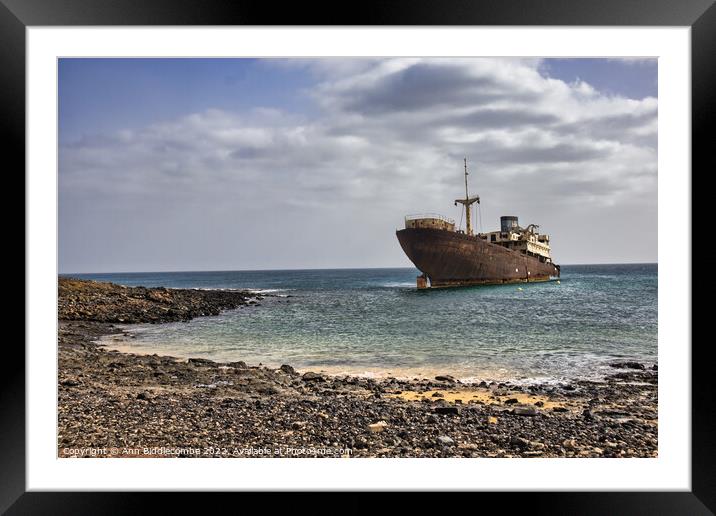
(447, 410)
(310, 376)
(107, 302)
(627, 365)
(201, 362)
(520, 442)
(527, 410)
(288, 369)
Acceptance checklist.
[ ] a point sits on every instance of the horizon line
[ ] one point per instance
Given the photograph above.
(309, 269)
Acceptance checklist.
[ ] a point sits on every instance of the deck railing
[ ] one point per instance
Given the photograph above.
(437, 216)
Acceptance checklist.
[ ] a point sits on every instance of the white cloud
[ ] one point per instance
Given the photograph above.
(388, 139)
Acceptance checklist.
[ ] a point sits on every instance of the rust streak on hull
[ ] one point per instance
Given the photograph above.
(451, 259)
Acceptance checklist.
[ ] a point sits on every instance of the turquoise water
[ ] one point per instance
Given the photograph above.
(374, 322)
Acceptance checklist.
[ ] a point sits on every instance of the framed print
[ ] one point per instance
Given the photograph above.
(439, 249)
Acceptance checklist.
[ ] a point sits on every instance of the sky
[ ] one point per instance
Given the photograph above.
(238, 164)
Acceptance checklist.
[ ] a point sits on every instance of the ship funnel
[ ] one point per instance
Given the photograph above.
(508, 223)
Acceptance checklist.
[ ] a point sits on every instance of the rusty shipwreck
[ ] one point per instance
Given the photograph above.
(449, 257)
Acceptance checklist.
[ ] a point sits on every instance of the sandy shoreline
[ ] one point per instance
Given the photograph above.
(124, 404)
(128, 341)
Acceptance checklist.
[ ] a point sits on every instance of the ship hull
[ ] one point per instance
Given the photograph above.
(450, 259)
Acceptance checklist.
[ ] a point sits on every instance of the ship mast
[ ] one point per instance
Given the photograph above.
(467, 202)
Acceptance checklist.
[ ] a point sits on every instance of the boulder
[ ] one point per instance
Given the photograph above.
(200, 362)
(310, 376)
(525, 410)
(628, 365)
(447, 410)
(288, 369)
(520, 442)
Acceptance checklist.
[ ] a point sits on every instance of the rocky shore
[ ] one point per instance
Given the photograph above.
(81, 300)
(121, 404)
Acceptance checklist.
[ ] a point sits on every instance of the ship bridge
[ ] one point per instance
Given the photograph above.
(525, 240)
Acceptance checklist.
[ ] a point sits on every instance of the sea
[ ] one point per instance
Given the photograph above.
(374, 322)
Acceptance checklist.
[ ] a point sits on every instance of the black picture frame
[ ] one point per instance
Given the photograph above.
(700, 15)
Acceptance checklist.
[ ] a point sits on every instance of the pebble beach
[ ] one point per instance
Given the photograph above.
(118, 404)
